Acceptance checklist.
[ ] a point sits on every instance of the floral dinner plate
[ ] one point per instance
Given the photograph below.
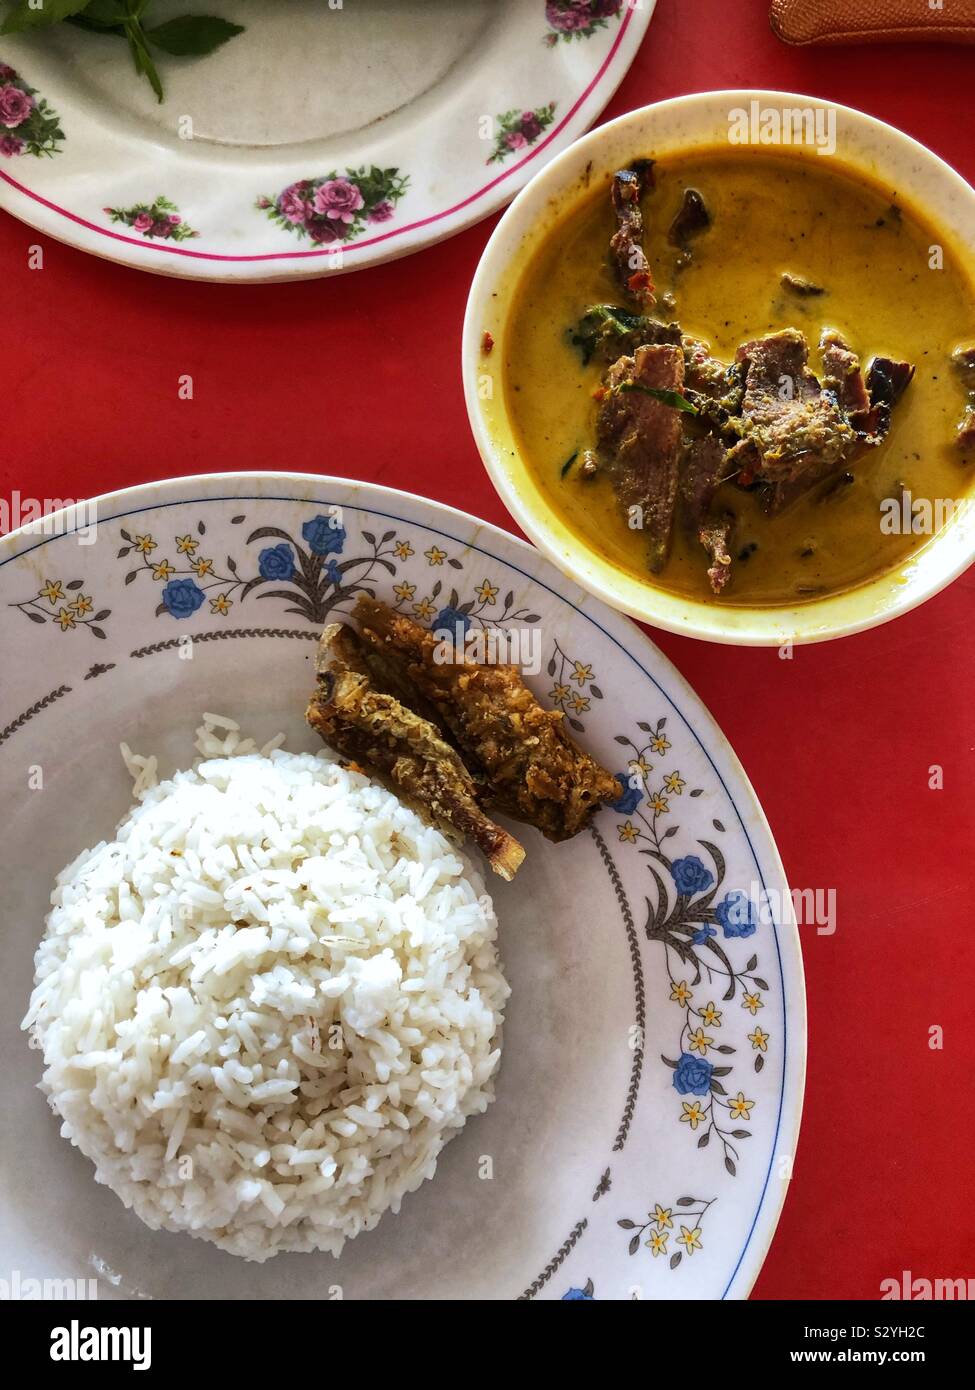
(325, 137)
(650, 1087)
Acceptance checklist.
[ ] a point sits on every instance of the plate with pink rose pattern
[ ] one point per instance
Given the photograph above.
(325, 137)
(648, 1100)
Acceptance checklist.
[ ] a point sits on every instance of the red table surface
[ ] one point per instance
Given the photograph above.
(360, 376)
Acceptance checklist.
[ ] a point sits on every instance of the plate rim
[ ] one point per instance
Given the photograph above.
(50, 219)
(786, 933)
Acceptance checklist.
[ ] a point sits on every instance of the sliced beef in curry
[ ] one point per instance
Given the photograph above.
(376, 731)
(715, 389)
(532, 769)
(765, 422)
(789, 425)
(843, 380)
(626, 244)
(606, 332)
(868, 403)
(715, 536)
(843, 376)
(675, 423)
(963, 359)
(834, 423)
(703, 467)
(887, 381)
(639, 439)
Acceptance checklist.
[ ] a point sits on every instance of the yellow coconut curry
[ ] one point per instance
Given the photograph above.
(723, 368)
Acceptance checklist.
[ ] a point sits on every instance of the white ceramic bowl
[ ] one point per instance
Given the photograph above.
(886, 156)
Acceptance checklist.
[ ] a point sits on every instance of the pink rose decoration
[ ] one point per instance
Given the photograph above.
(332, 209)
(514, 140)
(10, 145)
(155, 223)
(531, 126)
(567, 15)
(323, 232)
(338, 199)
(15, 106)
(293, 205)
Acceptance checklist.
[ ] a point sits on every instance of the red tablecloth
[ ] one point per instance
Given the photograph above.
(837, 742)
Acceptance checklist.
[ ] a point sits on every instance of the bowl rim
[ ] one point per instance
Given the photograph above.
(815, 621)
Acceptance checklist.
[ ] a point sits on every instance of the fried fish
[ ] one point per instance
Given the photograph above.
(374, 729)
(525, 763)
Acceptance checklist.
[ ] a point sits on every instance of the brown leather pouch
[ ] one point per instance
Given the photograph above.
(877, 21)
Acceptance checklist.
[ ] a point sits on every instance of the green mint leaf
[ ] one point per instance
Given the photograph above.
(92, 27)
(143, 59)
(192, 35)
(155, 82)
(23, 17)
(102, 14)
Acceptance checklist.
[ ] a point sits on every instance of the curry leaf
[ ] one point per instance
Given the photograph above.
(604, 320)
(672, 398)
(192, 35)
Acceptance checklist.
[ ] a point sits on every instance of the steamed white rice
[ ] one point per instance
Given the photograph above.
(269, 1001)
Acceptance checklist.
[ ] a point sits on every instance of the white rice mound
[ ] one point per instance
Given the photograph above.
(269, 1001)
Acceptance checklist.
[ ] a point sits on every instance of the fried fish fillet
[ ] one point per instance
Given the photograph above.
(526, 764)
(374, 729)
